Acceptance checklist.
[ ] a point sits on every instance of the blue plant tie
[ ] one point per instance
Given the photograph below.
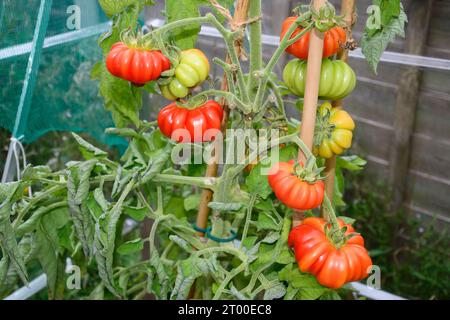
(208, 234)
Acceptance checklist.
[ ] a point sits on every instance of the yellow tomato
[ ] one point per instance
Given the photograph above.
(334, 131)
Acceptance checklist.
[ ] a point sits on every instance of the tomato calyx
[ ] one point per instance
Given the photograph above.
(324, 19)
(192, 104)
(307, 173)
(136, 40)
(337, 236)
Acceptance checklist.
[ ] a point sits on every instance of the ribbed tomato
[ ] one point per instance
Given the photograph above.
(334, 131)
(293, 191)
(191, 125)
(192, 70)
(136, 65)
(332, 264)
(333, 39)
(337, 79)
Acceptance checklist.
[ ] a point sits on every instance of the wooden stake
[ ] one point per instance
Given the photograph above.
(311, 95)
(240, 15)
(348, 11)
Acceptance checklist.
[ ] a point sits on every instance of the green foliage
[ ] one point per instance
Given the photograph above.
(412, 254)
(186, 37)
(80, 211)
(376, 39)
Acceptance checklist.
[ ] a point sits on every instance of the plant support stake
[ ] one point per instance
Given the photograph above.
(240, 15)
(311, 95)
(347, 11)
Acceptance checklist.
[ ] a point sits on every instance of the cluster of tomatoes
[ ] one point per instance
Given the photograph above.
(333, 259)
(140, 66)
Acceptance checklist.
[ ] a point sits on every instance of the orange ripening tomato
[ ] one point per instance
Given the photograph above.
(333, 39)
(293, 191)
(136, 65)
(190, 125)
(332, 265)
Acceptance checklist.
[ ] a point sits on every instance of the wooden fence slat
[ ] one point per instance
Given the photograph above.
(406, 106)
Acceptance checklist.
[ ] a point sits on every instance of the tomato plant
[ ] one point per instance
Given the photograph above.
(191, 71)
(337, 79)
(334, 258)
(201, 123)
(218, 231)
(334, 39)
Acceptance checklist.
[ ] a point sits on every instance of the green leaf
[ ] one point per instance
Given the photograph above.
(8, 240)
(121, 98)
(32, 222)
(390, 9)
(338, 194)
(137, 214)
(47, 248)
(330, 295)
(123, 282)
(189, 270)
(186, 37)
(126, 19)
(98, 293)
(4, 267)
(192, 202)
(121, 180)
(88, 150)
(351, 163)
(347, 220)
(271, 238)
(175, 206)
(105, 239)
(267, 222)
(78, 186)
(35, 172)
(159, 288)
(277, 291)
(157, 162)
(131, 246)
(181, 243)
(286, 256)
(249, 242)
(307, 285)
(11, 192)
(373, 45)
(113, 7)
(123, 132)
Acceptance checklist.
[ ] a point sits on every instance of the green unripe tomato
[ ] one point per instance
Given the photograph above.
(192, 70)
(337, 79)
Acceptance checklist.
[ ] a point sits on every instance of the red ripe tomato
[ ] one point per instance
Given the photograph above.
(332, 265)
(292, 190)
(333, 38)
(194, 122)
(136, 65)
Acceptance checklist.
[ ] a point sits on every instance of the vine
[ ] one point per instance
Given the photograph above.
(88, 201)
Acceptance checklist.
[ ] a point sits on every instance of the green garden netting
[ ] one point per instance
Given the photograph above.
(64, 98)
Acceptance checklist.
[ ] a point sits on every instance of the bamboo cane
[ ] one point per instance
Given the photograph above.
(240, 15)
(347, 11)
(311, 95)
